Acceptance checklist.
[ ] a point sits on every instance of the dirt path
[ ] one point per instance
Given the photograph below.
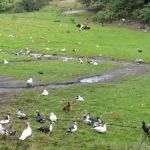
(6, 93)
(69, 12)
(9, 87)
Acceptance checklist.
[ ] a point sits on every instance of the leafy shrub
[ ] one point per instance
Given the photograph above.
(5, 5)
(144, 14)
(104, 16)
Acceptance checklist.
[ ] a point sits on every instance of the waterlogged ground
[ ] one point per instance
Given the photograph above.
(9, 86)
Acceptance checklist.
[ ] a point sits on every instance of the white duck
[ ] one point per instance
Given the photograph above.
(81, 61)
(73, 128)
(79, 98)
(53, 117)
(6, 62)
(45, 93)
(21, 115)
(95, 63)
(5, 120)
(101, 128)
(63, 50)
(3, 131)
(26, 133)
(86, 119)
(30, 82)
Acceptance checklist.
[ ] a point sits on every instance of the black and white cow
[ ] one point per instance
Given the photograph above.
(83, 26)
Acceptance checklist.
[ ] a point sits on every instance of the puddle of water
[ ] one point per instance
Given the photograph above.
(95, 79)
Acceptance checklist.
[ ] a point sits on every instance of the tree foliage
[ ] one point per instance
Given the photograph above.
(144, 14)
(32, 5)
(22, 5)
(121, 9)
(5, 5)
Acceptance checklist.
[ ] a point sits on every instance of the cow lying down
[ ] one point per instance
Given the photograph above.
(83, 26)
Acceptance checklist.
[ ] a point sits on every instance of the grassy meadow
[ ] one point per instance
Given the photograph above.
(49, 28)
(121, 103)
(54, 70)
(124, 102)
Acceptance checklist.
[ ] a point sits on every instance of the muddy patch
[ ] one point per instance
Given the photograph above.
(69, 12)
(6, 93)
(115, 74)
(40, 57)
(9, 87)
(12, 85)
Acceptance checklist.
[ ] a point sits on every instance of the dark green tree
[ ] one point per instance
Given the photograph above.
(144, 14)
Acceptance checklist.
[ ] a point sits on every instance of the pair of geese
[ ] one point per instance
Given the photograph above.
(98, 125)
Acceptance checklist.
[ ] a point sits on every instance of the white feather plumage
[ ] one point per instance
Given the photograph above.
(26, 133)
(53, 117)
(101, 128)
(45, 93)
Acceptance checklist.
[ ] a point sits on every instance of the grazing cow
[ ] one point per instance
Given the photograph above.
(83, 26)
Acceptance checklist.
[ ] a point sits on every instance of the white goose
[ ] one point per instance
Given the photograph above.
(6, 62)
(26, 133)
(45, 93)
(5, 120)
(101, 128)
(79, 98)
(53, 117)
(30, 82)
(95, 63)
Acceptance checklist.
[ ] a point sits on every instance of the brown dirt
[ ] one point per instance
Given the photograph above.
(134, 26)
(7, 93)
(69, 12)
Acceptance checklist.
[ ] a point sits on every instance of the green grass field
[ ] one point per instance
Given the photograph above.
(48, 29)
(120, 103)
(123, 102)
(53, 71)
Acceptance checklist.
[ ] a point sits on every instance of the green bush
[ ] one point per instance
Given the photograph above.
(5, 5)
(104, 16)
(144, 14)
